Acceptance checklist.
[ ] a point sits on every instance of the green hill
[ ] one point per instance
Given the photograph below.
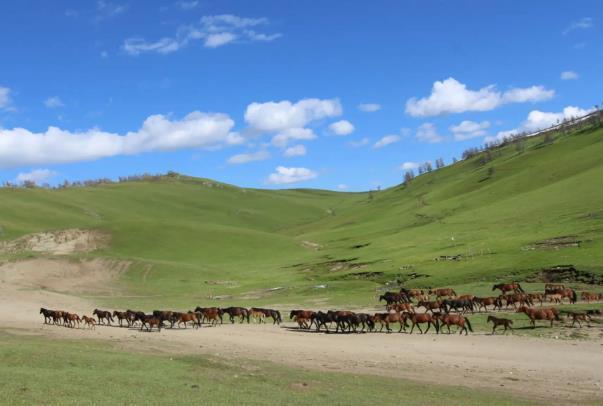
(508, 213)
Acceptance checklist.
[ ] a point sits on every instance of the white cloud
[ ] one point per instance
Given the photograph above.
(409, 166)
(5, 100)
(569, 75)
(248, 157)
(284, 175)
(53, 102)
(452, 96)
(20, 147)
(342, 127)
(469, 129)
(582, 24)
(387, 140)
(428, 132)
(36, 176)
(360, 143)
(369, 107)
(283, 138)
(278, 116)
(213, 31)
(187, 5)
(296, 150)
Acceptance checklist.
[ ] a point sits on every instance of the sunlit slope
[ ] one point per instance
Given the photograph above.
(191, 239)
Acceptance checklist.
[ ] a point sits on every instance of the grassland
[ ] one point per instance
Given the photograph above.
(192, 241)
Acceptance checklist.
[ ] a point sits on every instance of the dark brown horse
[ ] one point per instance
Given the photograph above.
(48, 315)
(508, 287)
(121, 316)
(484, 302)
(449, 319)
(508, 324)
(435, 305)
(103, 315)
(421, 318)
(240, 312)
(578, 317)
(211, 314)
(304, 318)
(150, 321)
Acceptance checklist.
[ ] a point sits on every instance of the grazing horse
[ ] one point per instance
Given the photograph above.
(588, 296)
(484, 302)
(508, 324)
(539, 314)
(89, 321)
(448, 320)
(121, 316)
(103, 315)
(212, 314)
(400, 307)
(442, 292)
(240, 312)
(577, 317)
(386, 318)
(419, 318)
(435, 305)
(508, 287)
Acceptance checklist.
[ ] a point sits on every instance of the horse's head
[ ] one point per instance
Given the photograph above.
(95, 312)
(291, 314)
(494, 287)
(42, 310)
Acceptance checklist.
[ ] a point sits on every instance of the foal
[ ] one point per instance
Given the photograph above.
(508, 324)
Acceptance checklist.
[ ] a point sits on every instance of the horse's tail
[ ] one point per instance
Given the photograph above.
(278, 315)
(519, 288)
(468, 324)
(247, 312)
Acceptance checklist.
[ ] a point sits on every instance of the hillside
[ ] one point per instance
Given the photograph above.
(193, 240)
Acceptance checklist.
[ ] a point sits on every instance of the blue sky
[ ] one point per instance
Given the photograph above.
(283, 94)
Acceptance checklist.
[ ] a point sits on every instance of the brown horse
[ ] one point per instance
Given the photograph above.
(435, 305)
(442, 292)
(386, 318)
(589, 296)
(89, 321)
(121, 316)
(484, 302)
(240, 312)
(69, 319)
(539, 314)
(449, 319)
(211, 314)
(554, 298)
(420, 318)
(508, 324)
(150, 321)
(103, 315)
(189, 317)
(401, 307)
(578, 317)
(517, 298)
(508, 287)
(534, 297)
(304, 318)
(255, 313)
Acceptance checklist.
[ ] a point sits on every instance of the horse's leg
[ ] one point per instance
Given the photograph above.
(494, 329)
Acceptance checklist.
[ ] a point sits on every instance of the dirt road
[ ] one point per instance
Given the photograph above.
(532, 367)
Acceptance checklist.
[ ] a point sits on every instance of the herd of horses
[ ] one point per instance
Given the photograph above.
(442, 308)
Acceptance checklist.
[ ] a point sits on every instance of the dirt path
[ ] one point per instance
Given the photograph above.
(531, 367)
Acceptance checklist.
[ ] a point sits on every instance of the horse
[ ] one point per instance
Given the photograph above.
(186, 317)
(150, 321)
(386, 318)
(122, 316)
(413, 292)
(418, 318)
(570, 294)
(302, 317)
(435, 305)
(554, 298)
(276, 316)
(134, 316)
(323, 319)
(459, 305)
(240, 312)
(536, 297)
(89, 321)
(391, 297)
(553, 288)
(539, 314)
(400, 307)
(442, 292)
(508, 287)
(588, 296)
(212, 314)
(514, 298)
(454, 319)
(508, 324)
(255, 313)
(69, 319)
(103, 315)
(484, 302)
(577, 317)
(48, 314)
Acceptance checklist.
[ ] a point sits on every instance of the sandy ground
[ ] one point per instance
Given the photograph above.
(537, 368)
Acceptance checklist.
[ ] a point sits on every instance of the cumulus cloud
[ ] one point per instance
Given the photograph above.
(54, 102)
(284, 175)
(582, 24)
(36, 176)
(20, 147)
(240, 159)
(213, 31)
(409, 166)
(342, 127)
(296, 150)
(369, 107)
(387, 140)
(428, 132)
(5, 100)
(278, 116)
(283, 138)
(569, 75)
(469, 129)
(451, 96)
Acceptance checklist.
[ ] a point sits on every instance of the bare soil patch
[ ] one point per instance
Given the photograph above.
(62, 242)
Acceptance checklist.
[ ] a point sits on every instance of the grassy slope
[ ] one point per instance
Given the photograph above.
(81, 375)
(193, 230)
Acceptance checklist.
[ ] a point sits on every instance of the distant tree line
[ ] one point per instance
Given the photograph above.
(146, 177)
